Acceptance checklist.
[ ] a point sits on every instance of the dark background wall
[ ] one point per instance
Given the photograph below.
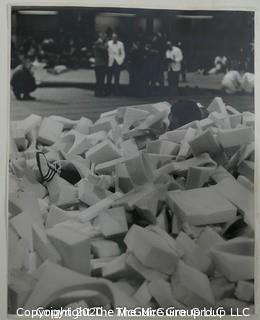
(204, 34)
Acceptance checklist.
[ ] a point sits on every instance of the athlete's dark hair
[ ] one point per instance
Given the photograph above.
(186, 111)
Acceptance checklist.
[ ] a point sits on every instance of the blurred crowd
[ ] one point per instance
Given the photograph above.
(154, 61)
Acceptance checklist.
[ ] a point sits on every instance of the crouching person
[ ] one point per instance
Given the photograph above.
(23, 81)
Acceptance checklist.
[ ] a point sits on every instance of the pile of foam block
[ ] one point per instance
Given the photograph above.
(137, 216)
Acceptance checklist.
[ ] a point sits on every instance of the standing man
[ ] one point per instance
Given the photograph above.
(100, 54)
(174, 58)
(116, 57)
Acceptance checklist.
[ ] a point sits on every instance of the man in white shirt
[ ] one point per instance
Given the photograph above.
(116, 57)
(174, 58)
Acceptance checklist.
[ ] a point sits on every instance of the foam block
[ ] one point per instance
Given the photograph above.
(50, 131)
(93, 211)
(196, 177)
(102, 152)
(208, 238)
(116, 268)
(113, 222)
(20, 285)
(133, 116)
(129, 147)
(192, 287)
(201, 206)
(103, 124)
(143, 295)
(141, 270)
(241, 197)
(157, 160)
(220, 120)
(217, 105)
(74, 143)
(67, 123)
(74, 248)
(151, 250)
(97, 265)
(235, 137)
(206, 142)
(220, 174)
(185, 149)
(245, 183)
(90, 193)
(248, 119)
(108, 167)
(247, 168)
(175, 136)
(62, 193)
(235, 259)
(245, 291)
(162, 147)
(222, 288)
(57, 215)
(105, 248)
(161, 291)
(83, 125)
(44, 247)
(193, 255)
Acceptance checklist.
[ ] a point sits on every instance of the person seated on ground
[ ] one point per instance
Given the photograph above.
(232, 81)
(185, 111)
(248, 82)
(23, 81)
(220, 65)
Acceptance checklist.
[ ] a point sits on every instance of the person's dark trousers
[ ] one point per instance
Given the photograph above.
(100, 72)
(173, 82)
(24, 87)
(114, 70)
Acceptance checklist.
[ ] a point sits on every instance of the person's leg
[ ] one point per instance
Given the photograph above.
(17, 92)
(109, 79)
(102, 80)
(29, 86)
(170, 82)
(117, 77)
(176, 77)
(97, 73)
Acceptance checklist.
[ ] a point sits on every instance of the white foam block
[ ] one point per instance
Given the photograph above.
(151, 249)
(145, 272)
(201, 206)
(102, 152)
(193, 254)
(241, 197)
(44, 247)
(222, 288)
(74, 248)
(235, 137)
(143, 295)
(50, 131)
(161, 291)
(113, 222)
(192, 287)
(105, 248)
(245, 290)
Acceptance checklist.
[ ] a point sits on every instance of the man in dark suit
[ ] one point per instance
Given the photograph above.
(101, 56)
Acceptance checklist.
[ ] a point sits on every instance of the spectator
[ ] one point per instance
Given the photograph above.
(23, 81)
(116, 57)
(136, 68)
(174, 58)
(100, 55)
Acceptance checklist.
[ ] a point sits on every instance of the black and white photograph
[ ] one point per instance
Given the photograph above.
(131, 162)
